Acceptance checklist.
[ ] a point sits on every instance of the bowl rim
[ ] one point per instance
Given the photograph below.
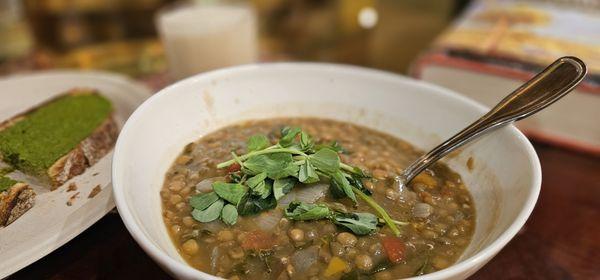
(464, 267)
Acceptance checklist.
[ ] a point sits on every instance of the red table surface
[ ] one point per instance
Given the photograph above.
(561, 240)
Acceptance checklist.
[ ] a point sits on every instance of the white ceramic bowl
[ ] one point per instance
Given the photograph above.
(505, 181)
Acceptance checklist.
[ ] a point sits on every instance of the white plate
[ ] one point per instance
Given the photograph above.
(51, 223)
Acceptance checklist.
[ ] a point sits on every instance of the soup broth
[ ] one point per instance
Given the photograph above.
(434, 213)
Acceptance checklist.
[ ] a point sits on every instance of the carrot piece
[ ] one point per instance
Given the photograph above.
(336, 265)
(257, 240)
(234, 168)
(394, 248)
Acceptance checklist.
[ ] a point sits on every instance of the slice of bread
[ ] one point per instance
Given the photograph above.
(61, 138)
(15, 199)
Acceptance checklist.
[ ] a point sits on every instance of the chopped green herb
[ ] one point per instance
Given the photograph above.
(259, 185)
(6, 170)
(209, 214)
(229, 214)
(229, 191)
(307, 173)
(306, 142)
(283, 186)
(258, 142)
(359, 223)
(34, 143)
(276, 165)
(303, 212)
(252, 204)
(288, 134)
(270, 172)
(342, 183)
(6, 183)
(202, 201)
(326, 160)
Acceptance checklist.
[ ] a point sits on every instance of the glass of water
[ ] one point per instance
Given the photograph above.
(206, 35)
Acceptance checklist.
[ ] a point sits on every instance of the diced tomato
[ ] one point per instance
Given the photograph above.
(394, 248)
(234, 167)
(257, 240)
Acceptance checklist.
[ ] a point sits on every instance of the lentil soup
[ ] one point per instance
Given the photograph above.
(434, 215)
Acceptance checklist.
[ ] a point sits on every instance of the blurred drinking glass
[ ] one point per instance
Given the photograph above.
(206, 35)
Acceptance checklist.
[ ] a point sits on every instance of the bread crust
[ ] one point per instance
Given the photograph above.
(86, 154)
(14, 202)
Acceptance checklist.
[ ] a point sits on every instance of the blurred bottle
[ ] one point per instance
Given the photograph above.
(323, 30)
(116, 35)
(385, 34)
(407, 28)
(14, 34)
(205, 35)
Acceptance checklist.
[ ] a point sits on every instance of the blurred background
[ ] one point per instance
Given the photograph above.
(121, 35)
(480, 48)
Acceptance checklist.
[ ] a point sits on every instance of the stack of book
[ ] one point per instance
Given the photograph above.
(497, 45)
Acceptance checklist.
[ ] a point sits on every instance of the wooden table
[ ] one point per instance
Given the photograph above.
(561, 240)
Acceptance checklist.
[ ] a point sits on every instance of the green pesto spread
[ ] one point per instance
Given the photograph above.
(6, 170)
(6, 183)
(36, 142)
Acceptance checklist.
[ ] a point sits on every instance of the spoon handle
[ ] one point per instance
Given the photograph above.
(545, 88)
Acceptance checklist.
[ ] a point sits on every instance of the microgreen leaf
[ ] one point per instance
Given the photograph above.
(209, 214)
(288, 134)
(229, 214)
(334, 145)
(258, 185)
(283, 186)
(264, 188)
(258, 142)
(229, 191)
(355, 181)
(342, 183)
(202, 201)
(307, 173)
(306, 142)
(252, 204)
(303, 211)
(276, 165)
(359, 223)
(326, 160)
(354, 171)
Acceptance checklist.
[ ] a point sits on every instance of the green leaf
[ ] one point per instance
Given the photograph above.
(359, 223)
(356, 181)
(283, 186)
(263, 189)
(326, 160)
(288, 135)
(229, 214)
(334, 145)
(303, 211)
(252, 204)
(358, 173)
(259, 186)
(342, 183)
(276, 165)
(229, 191)
(306, 142)
(258, 142)
(209, 214)
(202, 201)
(307, 173)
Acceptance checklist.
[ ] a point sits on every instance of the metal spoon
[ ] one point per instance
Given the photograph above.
(554, 82)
